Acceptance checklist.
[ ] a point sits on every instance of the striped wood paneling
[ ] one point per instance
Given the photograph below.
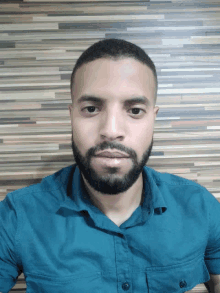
(39, 44)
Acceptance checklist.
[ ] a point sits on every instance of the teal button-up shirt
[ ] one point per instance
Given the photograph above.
(52, 233)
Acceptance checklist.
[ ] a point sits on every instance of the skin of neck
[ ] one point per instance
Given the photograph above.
(119, 204)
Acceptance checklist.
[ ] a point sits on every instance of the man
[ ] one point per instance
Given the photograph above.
(109, 223)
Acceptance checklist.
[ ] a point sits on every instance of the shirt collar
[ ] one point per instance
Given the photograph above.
(153, 198)
(76, 198)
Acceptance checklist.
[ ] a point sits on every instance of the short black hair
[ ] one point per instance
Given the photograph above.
(114, 49)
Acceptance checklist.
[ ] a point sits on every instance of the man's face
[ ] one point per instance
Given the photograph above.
(112, 119)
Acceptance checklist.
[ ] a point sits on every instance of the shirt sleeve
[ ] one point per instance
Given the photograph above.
(212, 253)
(9, 270)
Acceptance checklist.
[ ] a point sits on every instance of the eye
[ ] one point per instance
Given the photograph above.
(90, 110)
(137, 112)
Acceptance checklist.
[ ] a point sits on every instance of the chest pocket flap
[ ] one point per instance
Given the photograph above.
(177, 278)
(77, 284)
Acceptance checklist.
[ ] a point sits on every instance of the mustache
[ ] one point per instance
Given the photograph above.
(111, 145)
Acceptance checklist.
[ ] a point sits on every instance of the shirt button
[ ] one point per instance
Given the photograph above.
(125, 286)
(183, 284)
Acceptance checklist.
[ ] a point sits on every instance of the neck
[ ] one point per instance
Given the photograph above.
(119, 206)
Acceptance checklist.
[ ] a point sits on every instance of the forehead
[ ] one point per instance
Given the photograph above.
(114, 78)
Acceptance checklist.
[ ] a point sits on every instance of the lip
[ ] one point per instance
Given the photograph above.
(114, 154)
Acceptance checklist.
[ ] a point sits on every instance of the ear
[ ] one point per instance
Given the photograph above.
(156, 110)
(70, 107)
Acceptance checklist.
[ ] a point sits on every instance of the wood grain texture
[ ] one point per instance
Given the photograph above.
(40, 42)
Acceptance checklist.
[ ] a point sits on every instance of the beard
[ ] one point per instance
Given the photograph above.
(111, 183)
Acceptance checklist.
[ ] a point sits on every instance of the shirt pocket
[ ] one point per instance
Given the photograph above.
(75, 284)
(177, 278)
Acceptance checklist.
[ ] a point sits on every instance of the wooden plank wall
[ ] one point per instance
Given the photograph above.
(39, 44)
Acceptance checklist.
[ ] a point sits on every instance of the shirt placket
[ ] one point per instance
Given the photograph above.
(123, 264)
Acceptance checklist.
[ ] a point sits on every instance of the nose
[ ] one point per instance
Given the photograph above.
(112, 125)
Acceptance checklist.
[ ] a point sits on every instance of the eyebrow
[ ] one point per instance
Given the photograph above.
(128, 102)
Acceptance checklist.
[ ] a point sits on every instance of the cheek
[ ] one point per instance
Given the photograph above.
(144, 131)
(83, 135)
(142, 137)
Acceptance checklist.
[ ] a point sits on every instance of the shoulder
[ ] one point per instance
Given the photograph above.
(171, 179)
(49, 191)
(179, 188)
